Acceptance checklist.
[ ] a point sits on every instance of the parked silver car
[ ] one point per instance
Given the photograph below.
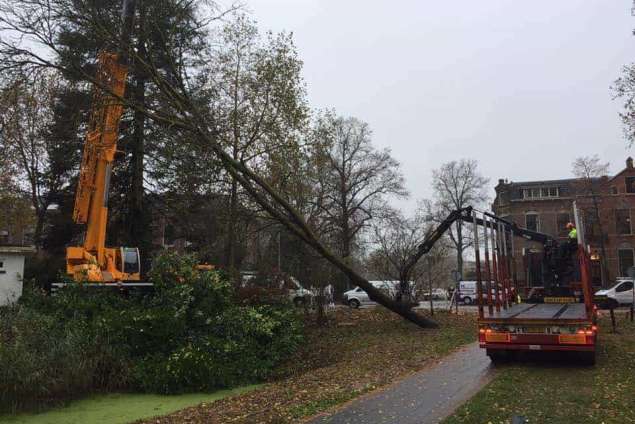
(358, 297)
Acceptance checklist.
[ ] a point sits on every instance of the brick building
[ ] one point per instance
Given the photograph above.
(546, 206)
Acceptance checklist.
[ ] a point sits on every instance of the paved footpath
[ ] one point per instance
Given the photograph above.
(423, 398)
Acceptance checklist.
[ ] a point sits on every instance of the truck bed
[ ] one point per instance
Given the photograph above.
(539, 312)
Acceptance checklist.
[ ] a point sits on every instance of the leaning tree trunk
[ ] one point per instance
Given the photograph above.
(459, 249)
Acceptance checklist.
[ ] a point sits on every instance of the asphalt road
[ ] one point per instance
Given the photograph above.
(423, 398)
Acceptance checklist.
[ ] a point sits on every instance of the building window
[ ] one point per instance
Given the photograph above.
(541, 193)
(613, 190)
(630, 184)
(625, 257)
(531, 221)
(562, 219)
(623, 221)
(4, 237)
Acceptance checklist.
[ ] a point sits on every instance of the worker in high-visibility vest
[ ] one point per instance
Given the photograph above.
(572, 239)
(573, 233)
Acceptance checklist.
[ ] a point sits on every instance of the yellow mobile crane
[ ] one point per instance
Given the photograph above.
(93, 261)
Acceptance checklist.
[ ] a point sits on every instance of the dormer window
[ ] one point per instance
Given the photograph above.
(541, 193)
(630, 184)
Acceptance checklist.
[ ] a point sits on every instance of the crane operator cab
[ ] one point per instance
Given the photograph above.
(121, 264)
(130, 262)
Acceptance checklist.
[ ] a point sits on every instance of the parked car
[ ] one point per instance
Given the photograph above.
(358, 297)
(437, 294)
(620, 294)
(272, 285)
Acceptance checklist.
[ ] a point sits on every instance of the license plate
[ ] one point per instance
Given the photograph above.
(572, 339)
(534, 347)
(497, 337)
(534, 330)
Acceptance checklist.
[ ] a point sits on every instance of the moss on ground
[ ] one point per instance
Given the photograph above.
(120, 408)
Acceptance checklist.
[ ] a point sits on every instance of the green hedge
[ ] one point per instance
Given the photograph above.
(188, 335)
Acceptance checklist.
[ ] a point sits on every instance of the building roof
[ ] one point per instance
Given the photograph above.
(548, 182)
(17, 249)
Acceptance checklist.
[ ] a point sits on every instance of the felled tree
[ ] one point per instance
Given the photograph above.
(176, 106)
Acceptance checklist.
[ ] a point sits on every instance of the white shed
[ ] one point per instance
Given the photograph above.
(11, 272)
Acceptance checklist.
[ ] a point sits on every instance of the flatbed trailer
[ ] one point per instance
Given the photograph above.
(539, 327)
(562, 318)
(567, 322)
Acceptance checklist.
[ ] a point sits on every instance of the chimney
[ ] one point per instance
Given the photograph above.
(502, 181)
(629, 162)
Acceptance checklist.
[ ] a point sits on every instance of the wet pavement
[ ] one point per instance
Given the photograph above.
(425, 397)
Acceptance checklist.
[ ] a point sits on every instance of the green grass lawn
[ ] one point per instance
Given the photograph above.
(548, 392)
(119, 408)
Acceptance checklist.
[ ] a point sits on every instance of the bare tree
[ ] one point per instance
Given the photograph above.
(397, 239)
(589, 170)
(26, 111)
(457, 184)
(355, 178)
(624, 89)
(180, 109)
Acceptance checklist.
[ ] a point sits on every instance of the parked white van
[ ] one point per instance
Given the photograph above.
(468, 292)
(620, 294)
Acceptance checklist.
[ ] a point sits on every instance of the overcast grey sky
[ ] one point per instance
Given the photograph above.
(522, 87)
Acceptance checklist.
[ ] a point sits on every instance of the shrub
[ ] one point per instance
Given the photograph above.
(212, 342)
(241, 345)
(44, 360)
(188, 335)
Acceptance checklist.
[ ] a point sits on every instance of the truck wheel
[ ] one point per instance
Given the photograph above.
(612, 304)
(498, 356)
(353, 303)
(587, 358)
(467, 300)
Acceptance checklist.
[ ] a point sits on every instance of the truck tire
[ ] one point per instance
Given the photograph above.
(499, 356)
(353, 303)
(612, 304)
(587, 358)
(467, 300)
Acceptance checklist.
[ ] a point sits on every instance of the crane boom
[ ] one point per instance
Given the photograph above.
(93, 261)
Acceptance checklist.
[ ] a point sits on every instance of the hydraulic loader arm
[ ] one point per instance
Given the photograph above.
(520, 231)
(466, 214)
(434, 236)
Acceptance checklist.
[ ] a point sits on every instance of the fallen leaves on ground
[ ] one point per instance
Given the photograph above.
(359, 351)
(556, 388)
